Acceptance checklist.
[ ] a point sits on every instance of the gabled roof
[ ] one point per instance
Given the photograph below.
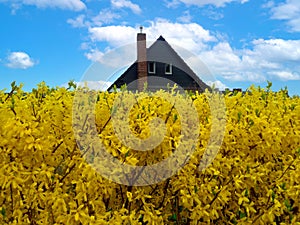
(161, 51)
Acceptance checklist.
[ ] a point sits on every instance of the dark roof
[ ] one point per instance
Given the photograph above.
(161, 38)
(161, 51)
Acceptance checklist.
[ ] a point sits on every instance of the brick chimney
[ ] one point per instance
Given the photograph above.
(142, 70)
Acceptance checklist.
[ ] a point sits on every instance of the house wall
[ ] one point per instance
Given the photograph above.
(178, 76)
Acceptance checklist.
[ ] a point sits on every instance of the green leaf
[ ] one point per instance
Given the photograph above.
(251, 122)
(257, 112)
(288, 205)
(269, 85)
(214, 193)
(71, 84)
(173, 217)
(195, 189)
(13, 85)
(242, 214)
(239, 116)
(283, 186)
(141, 218)
(123, 88)
(113, 110)
(292, 107)
(234, 221)
(3, 212)
(248, 169)
(175, 118)
(273, 196)
(246, 192)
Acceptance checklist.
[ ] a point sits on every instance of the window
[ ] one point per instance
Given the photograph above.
(151, 67)
(168, 69)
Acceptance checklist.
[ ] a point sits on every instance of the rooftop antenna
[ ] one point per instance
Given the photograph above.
(141, 29)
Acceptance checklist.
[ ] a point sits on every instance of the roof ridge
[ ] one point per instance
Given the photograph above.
(161, 38)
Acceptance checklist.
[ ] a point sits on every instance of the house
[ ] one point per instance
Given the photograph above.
(158, 66)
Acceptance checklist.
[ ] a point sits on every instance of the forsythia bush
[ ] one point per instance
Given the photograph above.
(47, 177)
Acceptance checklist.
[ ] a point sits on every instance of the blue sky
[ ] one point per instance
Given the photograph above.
(241, 42)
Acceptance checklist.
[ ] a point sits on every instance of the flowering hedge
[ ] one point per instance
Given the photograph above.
(45, 177)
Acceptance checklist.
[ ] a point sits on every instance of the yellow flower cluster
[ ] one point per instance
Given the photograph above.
(53, 170)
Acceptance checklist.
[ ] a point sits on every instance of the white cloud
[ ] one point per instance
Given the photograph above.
(192, 34)
(95, 55)
(222, 60)
(75, 5)
(217, 84)
(105, 16)
(185, 18)
(212, 13)
(278, 49)
(172, 3)
(114, 58)
(267, 59)
(19, 60)
(216, 3)
(93, 85)
(14, 8)
(78, 22)
(268, 4)
(288, 11)
(126, 4)
(285, 75)
(115, 35)
(85, 46)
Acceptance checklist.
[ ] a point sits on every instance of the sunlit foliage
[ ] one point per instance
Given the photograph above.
(254, 179)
